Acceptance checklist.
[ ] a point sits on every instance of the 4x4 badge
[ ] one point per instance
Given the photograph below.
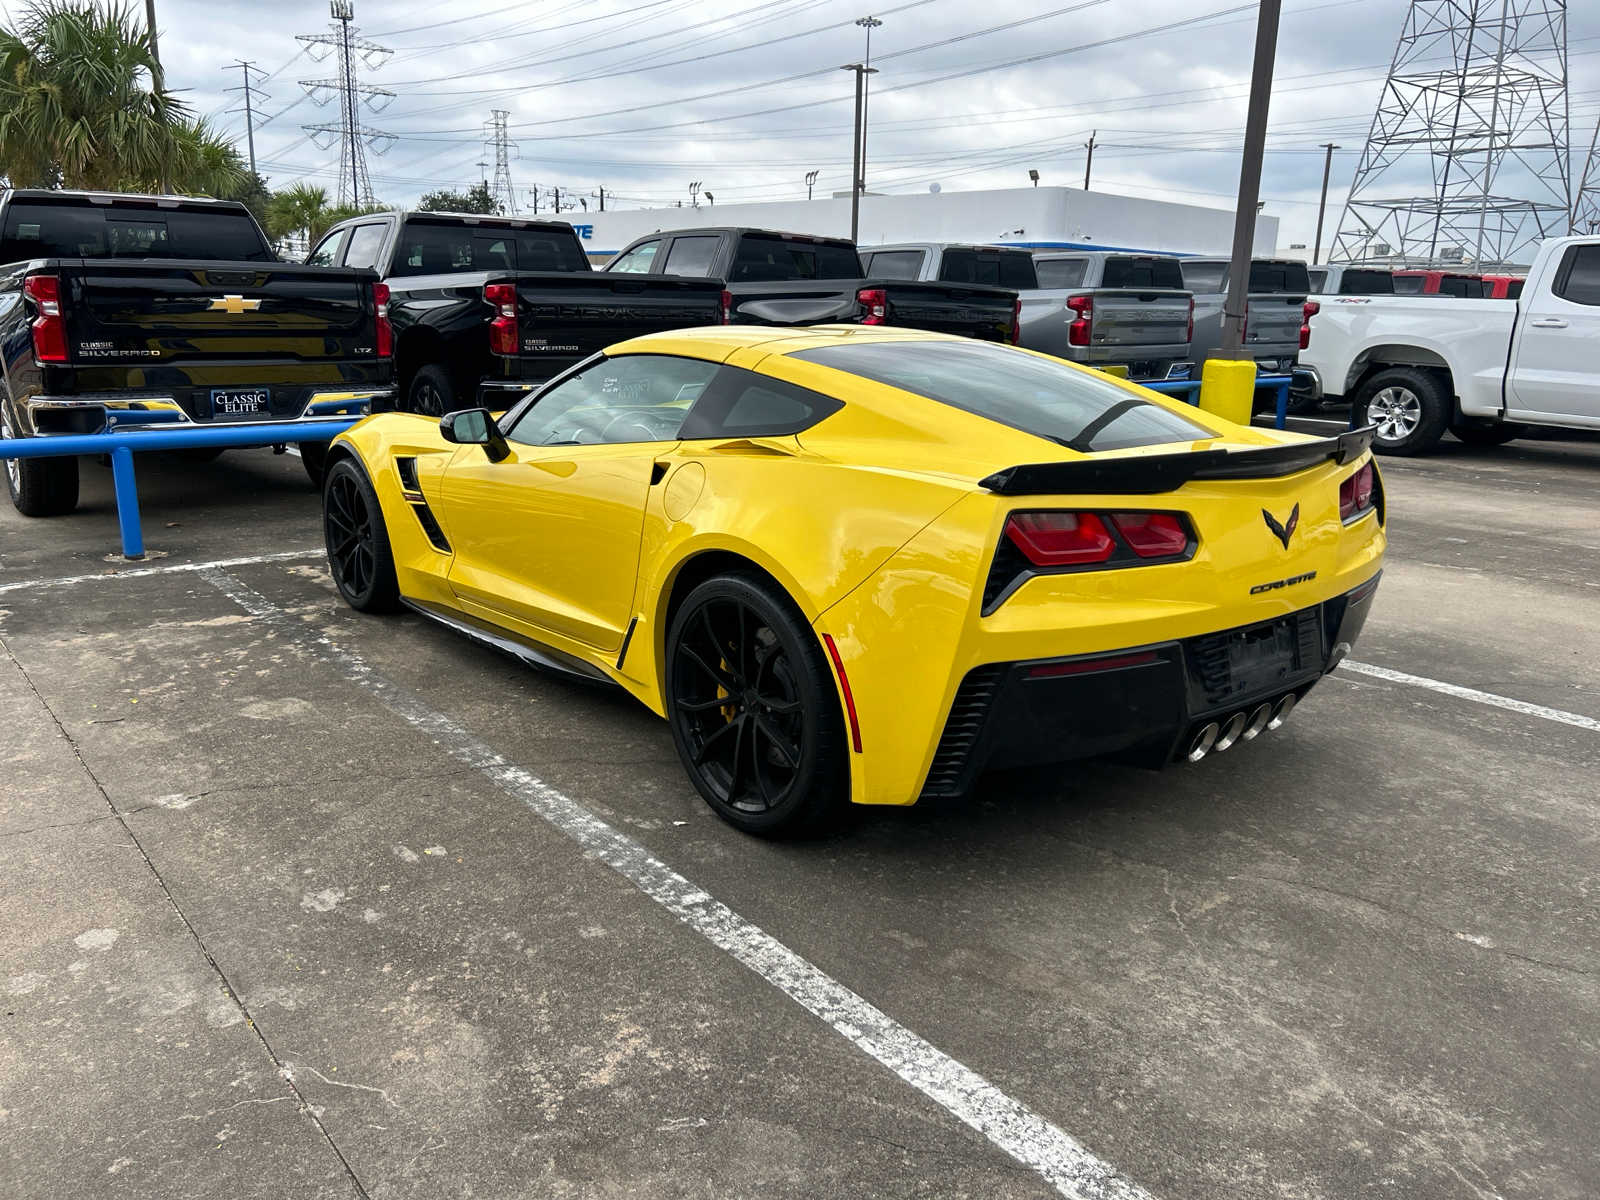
(1285, 531)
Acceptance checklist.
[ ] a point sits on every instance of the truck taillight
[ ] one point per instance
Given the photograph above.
(876, 303)
(1189, 335)
(727, 307)
(503, 334)
(49, 323)
(380, 302)
(1082, 325)
(1016, 321)
(1307, 310)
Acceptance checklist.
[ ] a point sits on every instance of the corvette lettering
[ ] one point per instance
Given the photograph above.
(1282, 583)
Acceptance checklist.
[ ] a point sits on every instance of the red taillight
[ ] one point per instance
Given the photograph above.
(876, 303)
(1060, 539)
(1152, 535)
(49, 325)
(1016, 321)
(1307, 310)
(1078, 331)
(380, 301)
(727, 307)
(503, 335)
(1355, 494)
(1189, 333)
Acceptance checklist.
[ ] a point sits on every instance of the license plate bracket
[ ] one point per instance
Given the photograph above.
(241, 402)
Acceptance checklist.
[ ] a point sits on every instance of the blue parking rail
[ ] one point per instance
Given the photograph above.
(1189, 389)
(121, 446)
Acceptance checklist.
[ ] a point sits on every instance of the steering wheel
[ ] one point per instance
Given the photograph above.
(633, 427)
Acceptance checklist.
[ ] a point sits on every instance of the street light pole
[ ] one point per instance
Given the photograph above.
(1088, 162)
(155, 49)
(1255, 141)
(869, 24)
(1327, 165)
(862, 71)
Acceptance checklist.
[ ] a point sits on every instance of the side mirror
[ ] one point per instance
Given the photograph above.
(474, 427)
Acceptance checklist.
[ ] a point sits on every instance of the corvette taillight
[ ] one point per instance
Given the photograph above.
(1083, 324)
(1060, 539)
(380, 301)
(876, 303)
(504, 337)
(1355, 494)
(49, 323)
(1307, 310)
(1152, 534)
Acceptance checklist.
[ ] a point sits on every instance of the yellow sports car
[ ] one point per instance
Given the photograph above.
(865, 564)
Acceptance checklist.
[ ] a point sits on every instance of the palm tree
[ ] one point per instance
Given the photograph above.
(80, 107)
(301, 209)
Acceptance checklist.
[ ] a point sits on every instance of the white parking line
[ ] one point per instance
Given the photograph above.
(1576, 720)
(22, 585)
(1007, 1123)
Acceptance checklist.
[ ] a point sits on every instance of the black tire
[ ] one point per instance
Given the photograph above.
(1301, 403)
(1409, 407)
(314, 458)
(359, 557)
(754, 710)
(201, 454)
(1475, 432)
(430, 392)
(39, 487)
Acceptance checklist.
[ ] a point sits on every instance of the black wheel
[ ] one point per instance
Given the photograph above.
(754, 710)
(358, 541)
(314, 458)
(1475, 432)
(431, 393)
(1303, 402)
(39, 487)
(1409, 409)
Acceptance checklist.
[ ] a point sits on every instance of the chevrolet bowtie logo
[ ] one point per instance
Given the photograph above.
(234, 305)
(1286, 530)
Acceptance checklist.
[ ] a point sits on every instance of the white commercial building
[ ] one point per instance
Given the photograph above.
(1035, 217)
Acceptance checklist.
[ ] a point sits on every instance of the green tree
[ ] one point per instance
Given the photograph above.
(81, 107)
(303, 212)
(476, 199)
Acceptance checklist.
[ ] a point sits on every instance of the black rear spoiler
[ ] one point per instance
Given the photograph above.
(1149, 474)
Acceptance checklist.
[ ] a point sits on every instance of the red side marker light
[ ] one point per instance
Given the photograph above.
(844, 686)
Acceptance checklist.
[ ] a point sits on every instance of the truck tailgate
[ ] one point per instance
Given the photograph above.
(156, 312)
(971, 310)
(1273, 324)
(563, 317)
(1141, 319)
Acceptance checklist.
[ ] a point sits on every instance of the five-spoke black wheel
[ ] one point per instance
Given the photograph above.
(431, 393)
(754, 711)
(358, 541)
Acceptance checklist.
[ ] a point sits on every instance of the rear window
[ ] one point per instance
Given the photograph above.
(1203, 276)
(1514, 289)
(893, 264)
(1461, 285)
(1578, 276)
(429, 248)
(120, 231)
(1408, 285)
(1279, 278)
(1061, 272)
(1367, 283)
(1037, 395)
(1141, 270)
(775, 259)
(1319, 280)
(997, 268)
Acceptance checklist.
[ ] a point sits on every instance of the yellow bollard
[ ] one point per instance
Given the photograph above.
(1228, 389)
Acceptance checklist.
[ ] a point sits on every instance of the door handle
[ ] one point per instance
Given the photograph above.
(1548, 323)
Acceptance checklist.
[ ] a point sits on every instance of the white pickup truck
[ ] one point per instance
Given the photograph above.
(1485, 370)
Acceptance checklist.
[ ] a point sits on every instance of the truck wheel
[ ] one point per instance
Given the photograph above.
(39, 487)
(1486, 433)
(431, 393)
(1407, 407)
(314, 458)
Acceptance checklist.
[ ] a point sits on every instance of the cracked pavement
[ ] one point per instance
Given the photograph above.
(267, 939)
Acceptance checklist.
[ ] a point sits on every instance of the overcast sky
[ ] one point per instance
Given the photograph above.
(599, 92)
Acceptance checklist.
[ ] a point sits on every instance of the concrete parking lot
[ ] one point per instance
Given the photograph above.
(305, 903)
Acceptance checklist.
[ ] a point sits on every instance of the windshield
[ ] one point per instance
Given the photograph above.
(1037, 395)
(35, 230)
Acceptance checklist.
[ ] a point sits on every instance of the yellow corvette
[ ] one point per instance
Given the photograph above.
(866, 564)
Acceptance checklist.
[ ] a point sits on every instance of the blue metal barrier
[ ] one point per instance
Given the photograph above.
(1189, 389)
(121, 446)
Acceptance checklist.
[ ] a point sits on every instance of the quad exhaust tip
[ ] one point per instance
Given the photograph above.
(1281, 713)
(1258, 722)
(1202, 743)
(1216, 737)
(1231, 731)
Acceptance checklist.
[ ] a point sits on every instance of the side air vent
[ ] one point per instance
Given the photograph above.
(430, 526)
(968, 713)
(407, 469)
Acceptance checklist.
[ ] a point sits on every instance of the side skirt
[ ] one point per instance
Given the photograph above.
(543, 658)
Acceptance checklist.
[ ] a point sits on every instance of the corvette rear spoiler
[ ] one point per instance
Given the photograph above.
(1149, 474)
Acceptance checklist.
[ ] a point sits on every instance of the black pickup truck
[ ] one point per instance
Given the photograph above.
(154, 310)
(795, 279)
(485, 308)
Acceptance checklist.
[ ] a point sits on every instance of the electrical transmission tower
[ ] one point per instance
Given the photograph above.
(504, 148)
(1467, 158)
(353, 137)
(1586, 192)
(253, 98)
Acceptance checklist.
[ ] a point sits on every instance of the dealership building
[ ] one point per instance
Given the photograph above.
(1033, 217)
